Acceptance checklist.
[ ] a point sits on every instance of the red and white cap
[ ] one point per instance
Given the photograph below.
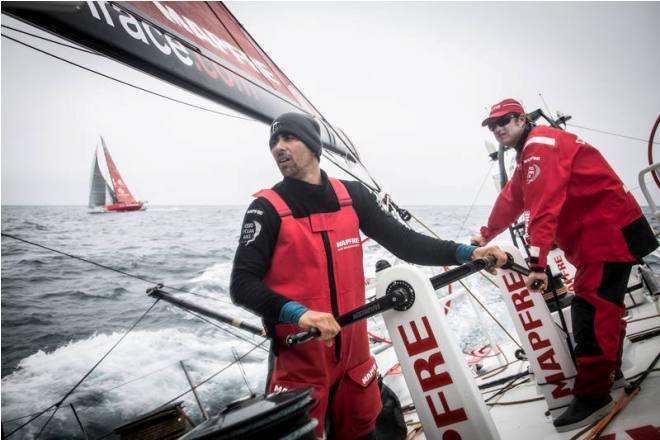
(502, 108)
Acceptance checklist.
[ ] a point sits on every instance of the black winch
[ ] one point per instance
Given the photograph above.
(282, 415)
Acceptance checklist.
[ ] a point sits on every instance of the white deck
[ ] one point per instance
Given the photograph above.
(528, 421)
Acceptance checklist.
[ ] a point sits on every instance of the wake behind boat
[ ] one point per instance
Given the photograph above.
(109, 197)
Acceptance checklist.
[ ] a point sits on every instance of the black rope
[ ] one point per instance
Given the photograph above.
(58, 404)
(240, 367)
(36, 416)
(50, 40)
(508, 387)
(160, 95)
(103, 266)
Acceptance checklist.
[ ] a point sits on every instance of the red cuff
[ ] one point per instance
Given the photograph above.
(486, 233)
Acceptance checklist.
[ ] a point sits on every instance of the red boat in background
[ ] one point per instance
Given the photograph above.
(117, 193)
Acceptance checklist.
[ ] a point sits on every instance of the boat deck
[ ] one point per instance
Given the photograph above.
(520, 412)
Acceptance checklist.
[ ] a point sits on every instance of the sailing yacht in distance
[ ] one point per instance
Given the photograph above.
(117, 193)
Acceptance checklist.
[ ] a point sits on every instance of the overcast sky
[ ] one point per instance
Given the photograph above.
(409, 83)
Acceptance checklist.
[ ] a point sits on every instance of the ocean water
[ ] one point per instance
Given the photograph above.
(61, 315)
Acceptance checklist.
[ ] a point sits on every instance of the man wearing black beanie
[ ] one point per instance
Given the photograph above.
(299, 265)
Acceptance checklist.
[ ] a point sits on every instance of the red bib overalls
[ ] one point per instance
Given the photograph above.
(317, 262)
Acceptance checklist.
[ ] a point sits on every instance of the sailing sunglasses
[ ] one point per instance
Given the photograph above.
(501, 122)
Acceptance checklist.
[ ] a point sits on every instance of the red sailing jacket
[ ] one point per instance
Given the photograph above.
(318, 259)
(569, 195)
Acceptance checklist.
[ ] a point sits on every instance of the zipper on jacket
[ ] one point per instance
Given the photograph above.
(333, 287)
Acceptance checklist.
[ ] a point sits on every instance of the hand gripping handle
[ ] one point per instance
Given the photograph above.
(510, 264)
(299, 338)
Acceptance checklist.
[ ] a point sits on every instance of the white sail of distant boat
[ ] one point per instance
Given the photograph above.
(112, 196)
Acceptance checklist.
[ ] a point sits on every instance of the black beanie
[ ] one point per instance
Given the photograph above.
(301, 126)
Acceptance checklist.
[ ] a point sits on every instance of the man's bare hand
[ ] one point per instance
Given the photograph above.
(495, 251)
(534, 276)
(325, 322)
(478, 240)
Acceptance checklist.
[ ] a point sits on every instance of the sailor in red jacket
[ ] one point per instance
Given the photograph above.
(299, 265)
(569, 195)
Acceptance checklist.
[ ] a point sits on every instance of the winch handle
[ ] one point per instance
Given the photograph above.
(400, 299)
(510, 264)
(299, 338)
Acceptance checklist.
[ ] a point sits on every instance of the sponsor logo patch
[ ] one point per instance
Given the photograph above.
(533, 172)
(255, 211)
(367, 377)
(348, 243)
(250, 232)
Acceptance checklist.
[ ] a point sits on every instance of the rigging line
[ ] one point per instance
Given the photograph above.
(15, 419)
(240, 367)
(332, 160)
(511, 385)
(259, 73)
(81, 49)
(127, 83)
(137, 378)
(226, 330)
(545, 104)
(432, 232)
(103, 266)
(307, 101)
(612, 134)
(36, 416)
(58, 404)
(491, 315)
(481, 187)
(196, 386)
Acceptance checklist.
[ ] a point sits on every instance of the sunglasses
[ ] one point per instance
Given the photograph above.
(501, 122)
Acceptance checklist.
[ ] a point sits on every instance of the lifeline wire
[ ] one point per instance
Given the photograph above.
(103, 266)
(612, 134)
(61, 401)
(196, 386)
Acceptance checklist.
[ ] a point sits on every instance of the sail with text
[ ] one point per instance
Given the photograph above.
(199, 46)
